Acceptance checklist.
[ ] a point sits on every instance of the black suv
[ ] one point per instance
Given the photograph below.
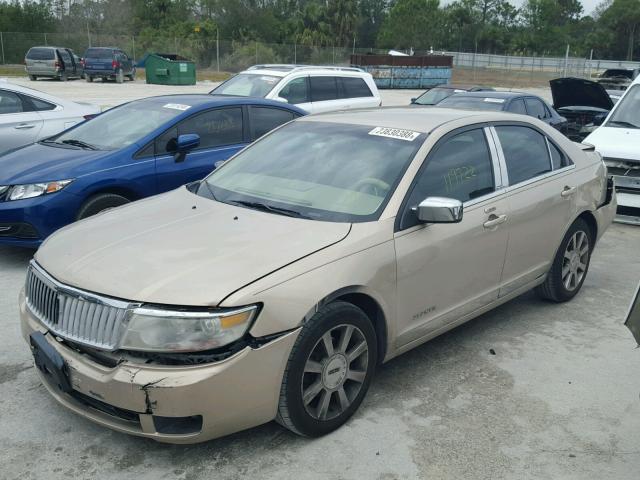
(108, 63)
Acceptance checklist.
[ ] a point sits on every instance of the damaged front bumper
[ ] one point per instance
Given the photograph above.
(173, 404)
(626, 175)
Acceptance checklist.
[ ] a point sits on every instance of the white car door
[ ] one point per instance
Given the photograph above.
(18, 127)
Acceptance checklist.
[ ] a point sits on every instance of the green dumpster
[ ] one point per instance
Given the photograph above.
(169, 69)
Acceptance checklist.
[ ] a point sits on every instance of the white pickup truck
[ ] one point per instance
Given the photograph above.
(618, 141)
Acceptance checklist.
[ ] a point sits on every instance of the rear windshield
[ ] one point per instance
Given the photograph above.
(435, 95)
(473, 103)
(98, 53)
(247, 85)
(41, 54)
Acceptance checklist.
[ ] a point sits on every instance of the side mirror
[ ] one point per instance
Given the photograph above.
(413, 100)
(439, 210)
(280, 99)
(187, 142)
(219, 163)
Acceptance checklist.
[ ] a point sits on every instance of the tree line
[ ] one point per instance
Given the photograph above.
(538, 27)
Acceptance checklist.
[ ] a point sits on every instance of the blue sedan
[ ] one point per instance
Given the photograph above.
(130, 152)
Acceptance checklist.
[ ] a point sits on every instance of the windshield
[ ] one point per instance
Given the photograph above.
(121, 126)
(627, 111)
(247, 85)
(473, 103)
(435, 95)
(324, 171)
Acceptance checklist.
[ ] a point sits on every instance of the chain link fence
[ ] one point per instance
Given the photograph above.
(232, 56)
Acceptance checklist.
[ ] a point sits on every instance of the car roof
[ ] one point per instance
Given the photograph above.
(203, 100)
(422, 120)
(6, 85)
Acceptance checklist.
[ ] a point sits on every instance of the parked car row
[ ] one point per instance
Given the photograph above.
(107, 63)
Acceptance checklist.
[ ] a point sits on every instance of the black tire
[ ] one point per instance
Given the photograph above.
(33, 78)
(100, 203)
(555, 287)
(88, 78)
(334, 319)
(119, 76)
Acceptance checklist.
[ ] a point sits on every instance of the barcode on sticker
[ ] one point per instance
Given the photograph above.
(397, 133)
(177, 106)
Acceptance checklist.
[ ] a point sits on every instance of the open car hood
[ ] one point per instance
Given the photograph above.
(578, 92)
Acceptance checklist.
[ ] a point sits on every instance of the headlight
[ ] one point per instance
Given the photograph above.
(20, 192)
(159, 330)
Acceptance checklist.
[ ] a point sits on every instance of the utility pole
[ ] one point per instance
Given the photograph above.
(218, 48)
(354, 45)
(566, 61)
(2, 47)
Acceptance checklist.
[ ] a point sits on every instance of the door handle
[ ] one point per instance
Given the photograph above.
(24, 126)
(568, 191)
(494, 221)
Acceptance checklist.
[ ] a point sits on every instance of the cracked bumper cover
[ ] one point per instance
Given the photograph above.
(232, 395)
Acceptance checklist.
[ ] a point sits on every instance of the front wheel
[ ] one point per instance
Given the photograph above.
(570, 266)
(100, 203)
(329, 370)
(33, 78)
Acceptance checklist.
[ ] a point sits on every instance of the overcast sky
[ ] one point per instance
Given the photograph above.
(587, 5)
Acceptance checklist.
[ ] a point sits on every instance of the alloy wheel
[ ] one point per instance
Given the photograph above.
(575, 261)
(335, 372)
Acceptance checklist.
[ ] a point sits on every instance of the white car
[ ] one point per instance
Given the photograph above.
(315, 89)
(618, 141)
(27, 115)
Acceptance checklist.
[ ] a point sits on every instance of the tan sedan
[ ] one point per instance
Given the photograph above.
(273, 288)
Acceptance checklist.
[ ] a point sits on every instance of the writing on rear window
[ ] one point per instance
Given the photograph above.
(397, 133)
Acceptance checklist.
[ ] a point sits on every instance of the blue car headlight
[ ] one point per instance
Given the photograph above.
(20, 192)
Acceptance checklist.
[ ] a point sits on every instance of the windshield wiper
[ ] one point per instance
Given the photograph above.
(269, 208)
(622, 123)
(79, 143)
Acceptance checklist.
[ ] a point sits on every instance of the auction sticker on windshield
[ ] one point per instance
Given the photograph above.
(494, 100)
(177, 106)
(396, 133)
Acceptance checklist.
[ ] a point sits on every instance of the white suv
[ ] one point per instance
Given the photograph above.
(312, 88)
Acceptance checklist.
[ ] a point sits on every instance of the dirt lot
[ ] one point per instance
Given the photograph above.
(558, 399)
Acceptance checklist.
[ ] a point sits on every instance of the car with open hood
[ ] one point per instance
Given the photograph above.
(618, 141)
(583, 103)
(130, 152)
(274, 287)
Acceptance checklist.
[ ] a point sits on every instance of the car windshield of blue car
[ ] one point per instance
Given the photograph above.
(627, 111)
(119, 127)
(473, 103)
(247, 85)
(323, 171)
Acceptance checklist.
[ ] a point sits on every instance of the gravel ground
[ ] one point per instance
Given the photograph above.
(557, 398)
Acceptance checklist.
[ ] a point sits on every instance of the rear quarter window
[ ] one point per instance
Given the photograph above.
(354, 87)
(41, 54)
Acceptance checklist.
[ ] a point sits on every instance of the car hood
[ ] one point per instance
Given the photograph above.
(573, 92)
(180, 249)
(613, 142)
(42, 163)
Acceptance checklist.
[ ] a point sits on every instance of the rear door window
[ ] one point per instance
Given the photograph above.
(265, 119)
(66, 58)
(41, 54)
(216, 127)
(525, 152)
(296, 91)
(10, 103)
(353, 87)
(535, 108)
(323, 89)
(38, 105)
(517, 106)
(558, 159)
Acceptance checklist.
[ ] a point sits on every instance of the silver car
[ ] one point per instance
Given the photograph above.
(53, 62)
(274, 287)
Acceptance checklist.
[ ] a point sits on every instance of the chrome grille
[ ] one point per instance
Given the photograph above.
(79, 316)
